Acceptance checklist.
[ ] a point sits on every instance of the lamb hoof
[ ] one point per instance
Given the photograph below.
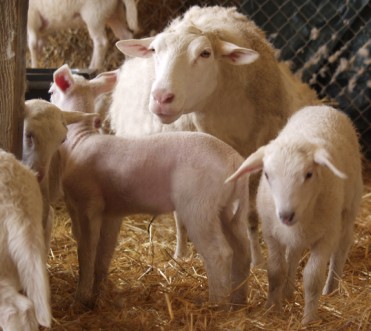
(87, 302)
(310, 319)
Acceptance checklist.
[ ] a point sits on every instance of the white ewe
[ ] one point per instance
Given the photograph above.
(46, 16)
(22, 249)
(308, 198)
(108, 177)
(211, 70)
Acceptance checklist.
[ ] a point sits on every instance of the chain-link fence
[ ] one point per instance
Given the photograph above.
(328, 43)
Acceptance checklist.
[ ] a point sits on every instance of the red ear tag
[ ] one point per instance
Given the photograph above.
(62, 83)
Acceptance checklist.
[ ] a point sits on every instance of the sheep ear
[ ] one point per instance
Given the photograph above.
(63, 78)
(75, 116)
(252, 164)
(322, 157)
(105, 82)
(136, 47)
(236, 55)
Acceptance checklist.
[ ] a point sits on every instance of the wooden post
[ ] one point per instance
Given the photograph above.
(13, 42)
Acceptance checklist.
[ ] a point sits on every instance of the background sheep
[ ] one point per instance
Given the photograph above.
(184, 172)
(22, 249)
(308, 197)
(46, 16)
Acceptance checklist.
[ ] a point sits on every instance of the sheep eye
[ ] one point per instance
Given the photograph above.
(29, 138)
(152, 50)
(266, 175)
(205, 54)
(308, 175)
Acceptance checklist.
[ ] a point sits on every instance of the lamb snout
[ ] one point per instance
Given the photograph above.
(287, 217)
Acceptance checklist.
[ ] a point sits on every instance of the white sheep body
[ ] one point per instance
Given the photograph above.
(155, 174)
(308, 197)
(47, 16)
(22, 249)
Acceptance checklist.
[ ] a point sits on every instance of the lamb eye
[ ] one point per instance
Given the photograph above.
(308, 175)
(205, 54)
(29, 138)
(152, 50)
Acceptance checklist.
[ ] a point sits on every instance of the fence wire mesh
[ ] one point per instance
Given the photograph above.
(328, 43)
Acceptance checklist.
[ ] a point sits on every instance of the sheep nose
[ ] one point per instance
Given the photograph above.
(286, 217)
(163, 96)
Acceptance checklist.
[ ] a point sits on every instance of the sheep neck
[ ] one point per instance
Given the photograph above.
(78, 132)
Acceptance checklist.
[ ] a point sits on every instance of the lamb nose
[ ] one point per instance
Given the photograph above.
(286, 217)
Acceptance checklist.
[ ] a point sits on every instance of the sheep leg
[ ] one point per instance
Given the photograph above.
(98, 34)
(253, 221)
(106, 247)
(34, 50)
(119, 27)
(253, 233)
(132, 15)
(34, 24)
(86, 248)
(314, 279)
(293, 258)
(339, 257)
(181, 238)
(235, 230)
(205, 231)
(49, 228)
(277, 271)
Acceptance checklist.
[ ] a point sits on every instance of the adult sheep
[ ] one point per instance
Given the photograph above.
(211, 70)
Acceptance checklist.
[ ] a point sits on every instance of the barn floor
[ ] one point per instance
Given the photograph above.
(148, 290)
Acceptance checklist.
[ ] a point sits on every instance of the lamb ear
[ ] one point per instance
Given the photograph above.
(63, 78)
(104, 82)
(136, 47)
(75, 116)
(236, 55)
(252, 164)
(322, 157)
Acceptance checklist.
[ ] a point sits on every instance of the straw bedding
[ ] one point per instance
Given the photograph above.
(148, 290)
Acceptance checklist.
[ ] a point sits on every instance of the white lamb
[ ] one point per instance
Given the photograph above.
(211, 70)
(46, 16)
(22, 249)
(44, 130)
(108, 177)
(308, 198)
